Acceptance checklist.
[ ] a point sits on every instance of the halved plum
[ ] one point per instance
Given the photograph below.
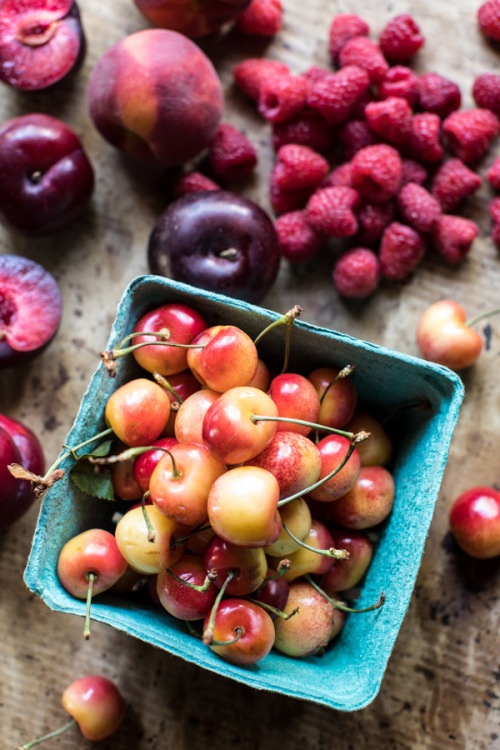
(30, 309)
(41, 42)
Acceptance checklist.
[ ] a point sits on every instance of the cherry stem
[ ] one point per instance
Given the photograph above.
(178, 540)
(147, 520)
(113, 354)
(72, 451)
(91, 577)
(313, 425)
(134, 452)
(283, 566)
(337, 554)
(208, 635)
(312, 487)
(287, 319)
(203, 587)
(340, 605)
(161, 380)
(274, 610)
(344, 373)
(49, 736)
(482, 317)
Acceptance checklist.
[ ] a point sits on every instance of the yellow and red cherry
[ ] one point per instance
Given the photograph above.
(230, 430)
(333, 450)
(227, 358)
(293, 459)
(178, 324)
(262, 376)
(315, 623)
(305, 560)
(145, 464)
(91, 553)
(183, 384)
(137, 412)
(96, 705)
(295, 398)
(338, 396)
(475, 522)
(297, 518)
(243, 507)
(180, 488)
(188, 426)
(246, 567)
(368, 502)
(445, 337)
(146, 555)
(242, 632)
(345, 574)
(377, 449)
(186, 602)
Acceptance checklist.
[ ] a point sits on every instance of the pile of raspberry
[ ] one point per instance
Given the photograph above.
(370, 154)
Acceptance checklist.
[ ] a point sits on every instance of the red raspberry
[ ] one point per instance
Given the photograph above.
(453, 182)
(495, 233)
(493, 174)
(335, 96)
(301, 167)
(308, 128)
(331, 211)
(193, 182)
(494, 209)
(299, 242)
(358, 113)
(355, 135)
(364, 53)
(488, 17)
(376, 172)
(470, 132)
(373, 218)
(231, 154)
(401, 250)
(438, 94)
(391, 119)
(412, 171)
(424, 141)
(340, 177)
(486, 92)
(418, 207)
(453, 237)
(345, 26)
(356, 274)
(250, 74)
(284, 201)
(400, 81)
(400, 39)
(261, 17)
(315, 74)
(282, 97)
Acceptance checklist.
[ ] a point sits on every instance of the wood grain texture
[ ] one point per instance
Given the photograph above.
(442, 685)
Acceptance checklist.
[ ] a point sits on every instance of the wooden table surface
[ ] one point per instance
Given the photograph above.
(442, 685)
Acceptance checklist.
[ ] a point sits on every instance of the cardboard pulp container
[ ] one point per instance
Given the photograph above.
(348, 676)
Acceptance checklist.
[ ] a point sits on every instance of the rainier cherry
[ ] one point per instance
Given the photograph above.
(96, 705)
(475, 522)
(242, 632)
(333, 450)
(444, 336)
(226, 358)
(186, 602)
(368, 502)
(338, 396)
(134, 539)
(296, 398)
(138, 412)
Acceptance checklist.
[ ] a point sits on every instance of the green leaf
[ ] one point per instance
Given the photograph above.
(94, 481)
(102, 449)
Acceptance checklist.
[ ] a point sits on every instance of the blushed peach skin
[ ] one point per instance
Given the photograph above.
(156, 96)
(191, 17)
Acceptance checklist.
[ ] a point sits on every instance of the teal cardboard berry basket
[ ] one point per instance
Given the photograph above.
(348, 676)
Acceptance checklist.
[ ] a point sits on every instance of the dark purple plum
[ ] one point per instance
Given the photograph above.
(46, 178)
(30, 309)
(18, 444)
(41, 42)
(217, 241)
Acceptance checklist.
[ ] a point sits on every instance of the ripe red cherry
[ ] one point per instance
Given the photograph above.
(239, 617)
(92, 552)
(475, 522)
(295, 398)
(180, 600)
(248, 566)
(333, 449)
(181, 324)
